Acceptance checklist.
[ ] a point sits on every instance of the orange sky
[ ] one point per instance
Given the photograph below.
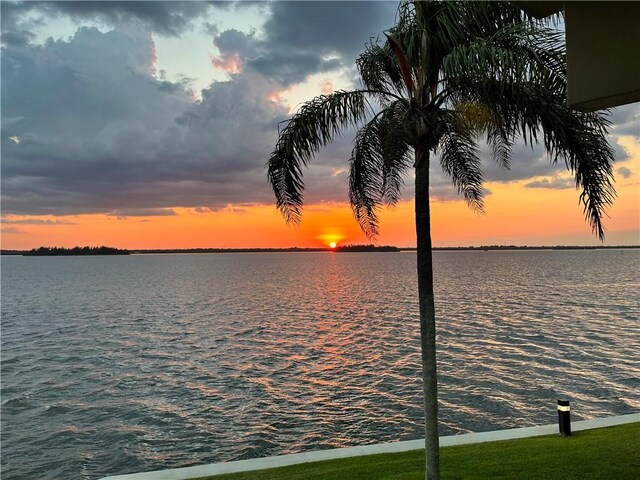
(514, 215)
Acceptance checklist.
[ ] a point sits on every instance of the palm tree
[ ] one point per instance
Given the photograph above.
(448, 74)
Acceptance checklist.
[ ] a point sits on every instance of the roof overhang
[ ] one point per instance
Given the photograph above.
(603, 54)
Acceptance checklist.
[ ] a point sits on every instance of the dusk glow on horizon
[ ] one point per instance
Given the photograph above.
(148, 126)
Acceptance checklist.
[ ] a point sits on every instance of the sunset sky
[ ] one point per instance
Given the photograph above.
(148, 125)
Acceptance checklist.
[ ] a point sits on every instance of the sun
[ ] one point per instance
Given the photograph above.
(333, 244)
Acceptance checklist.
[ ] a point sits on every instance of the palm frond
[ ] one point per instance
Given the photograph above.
(378, 161)
(365, 179)
(396, 152)
(316, 124)
(511, 52)
(475, 119)
(379, 70)
(501, 142)
(580, 140)
(459, 159)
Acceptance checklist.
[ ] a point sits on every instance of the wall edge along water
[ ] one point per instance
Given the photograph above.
(199, 471)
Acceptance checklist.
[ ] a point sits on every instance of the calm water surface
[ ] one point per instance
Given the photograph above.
(113, 365)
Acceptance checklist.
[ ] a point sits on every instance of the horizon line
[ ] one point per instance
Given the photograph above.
(294, 249)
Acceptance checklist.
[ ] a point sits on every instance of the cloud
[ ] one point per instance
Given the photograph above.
(326, 86)
(327, 28)
(231, 63)
(168, 18)
(17, 37)
(100, 133)
(303, 38)
(293, 66)
(553, 183)
(142, 212)
(624, 172)
(626, 120)
(234, 47)
(35, 221)
(11, 231)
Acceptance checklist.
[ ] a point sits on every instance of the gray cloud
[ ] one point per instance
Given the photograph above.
(234, 41)
(142, 212)
(303, 38)
(104, 135)
(35, 221)
(292, 67)
(17, 37)
(624, 172)
(327, 27)
(16, 31)
(553, 183)
(168, 18)
(626, 120)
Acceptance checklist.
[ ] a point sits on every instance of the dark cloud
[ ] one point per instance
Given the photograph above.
(12, 11)
(202, 210)
(292, 67)
(327, 28)
(17, 37)
(103, 135)
(234, 41)
(303, 38)
(168, 18)
(15, 30)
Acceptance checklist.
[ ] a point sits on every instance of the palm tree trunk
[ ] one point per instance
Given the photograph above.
(427, 314)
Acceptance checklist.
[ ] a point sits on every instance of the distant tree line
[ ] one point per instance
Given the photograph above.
(59, 251)
(230, 250)
(366, 248)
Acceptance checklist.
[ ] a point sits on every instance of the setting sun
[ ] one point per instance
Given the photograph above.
(332, 244)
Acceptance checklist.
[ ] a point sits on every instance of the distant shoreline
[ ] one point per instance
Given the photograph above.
(73, 252)
(377, 250)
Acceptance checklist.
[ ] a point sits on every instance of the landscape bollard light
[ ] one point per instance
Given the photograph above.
(564, 418)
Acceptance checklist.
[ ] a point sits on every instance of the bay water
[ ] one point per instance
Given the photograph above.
(122, 364)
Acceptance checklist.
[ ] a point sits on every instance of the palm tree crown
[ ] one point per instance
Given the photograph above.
(448, 73)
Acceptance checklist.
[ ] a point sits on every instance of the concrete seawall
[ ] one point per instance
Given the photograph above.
(198, 471)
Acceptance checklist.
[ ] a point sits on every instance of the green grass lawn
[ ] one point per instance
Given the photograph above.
(603, 454)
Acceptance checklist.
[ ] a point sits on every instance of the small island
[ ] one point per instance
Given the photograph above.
(366, 248)
(60, 251)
